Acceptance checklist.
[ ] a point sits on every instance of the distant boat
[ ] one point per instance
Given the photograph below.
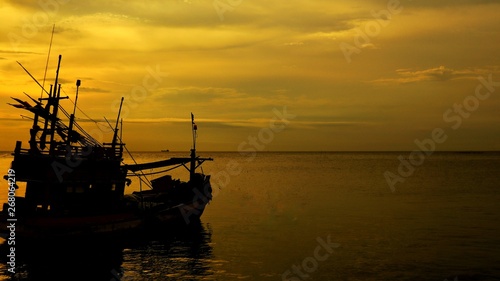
(75, 184)
(165, 150)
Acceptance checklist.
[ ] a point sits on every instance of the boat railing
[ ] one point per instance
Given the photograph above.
(19, 149)
(115, 150)
(107, 151)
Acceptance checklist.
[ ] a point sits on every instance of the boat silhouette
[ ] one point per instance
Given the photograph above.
(75, 184)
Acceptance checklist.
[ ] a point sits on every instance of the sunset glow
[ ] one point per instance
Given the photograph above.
(352, 75)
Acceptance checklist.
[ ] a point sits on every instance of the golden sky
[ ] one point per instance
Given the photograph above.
(344, 75)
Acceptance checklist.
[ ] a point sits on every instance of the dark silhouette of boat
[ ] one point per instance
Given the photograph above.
(75, 184)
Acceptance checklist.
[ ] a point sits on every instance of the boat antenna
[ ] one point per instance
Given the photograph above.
(115, 135)
(78, 83)
(48, 56)
(146, 180)
(121, 131)
(72, 116)
(193, 129)
(54, 101)
(193, 151)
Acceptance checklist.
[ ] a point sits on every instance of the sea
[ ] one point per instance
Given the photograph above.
(305, 216)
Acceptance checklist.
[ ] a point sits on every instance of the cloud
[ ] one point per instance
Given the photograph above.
(299, 43)
(15, 119)
(197, 94)
(249, 123)
(452, 3)
(14, 52)
(263, 55)
(94, 90)
(437, 74)
(440, 73)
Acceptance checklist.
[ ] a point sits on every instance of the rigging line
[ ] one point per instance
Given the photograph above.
(88, 117)
(61, 125)
(150, 185)
(97, 123)
(26, 117)
(48, 56)
(87, 135)
(34, 79)
(91, 139)
(79, 107)
(159, 172)
(142, 180)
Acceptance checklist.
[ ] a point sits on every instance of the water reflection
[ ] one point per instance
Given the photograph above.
(181, 253)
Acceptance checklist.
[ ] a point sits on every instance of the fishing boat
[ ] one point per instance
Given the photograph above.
(76, 185)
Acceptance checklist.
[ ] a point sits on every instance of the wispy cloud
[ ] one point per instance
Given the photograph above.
(249, 123)
(452, 3)
(436, 74)
(14, 52)
(264, 55)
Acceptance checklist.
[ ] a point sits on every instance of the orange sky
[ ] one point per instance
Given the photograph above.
(350, 75)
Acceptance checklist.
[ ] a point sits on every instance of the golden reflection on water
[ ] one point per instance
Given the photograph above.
(440, 223)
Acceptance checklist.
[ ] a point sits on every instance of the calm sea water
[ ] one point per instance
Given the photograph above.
(276, 212)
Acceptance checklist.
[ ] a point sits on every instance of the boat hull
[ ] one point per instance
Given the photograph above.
(102, 225)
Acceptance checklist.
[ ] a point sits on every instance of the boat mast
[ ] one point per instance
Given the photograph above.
(72, 116)
(34, 130)
(115, 135)
(43, 138)
(54, 100)
(47, 63)
(192, 167)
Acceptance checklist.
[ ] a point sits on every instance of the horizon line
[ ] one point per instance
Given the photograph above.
(301, 151)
